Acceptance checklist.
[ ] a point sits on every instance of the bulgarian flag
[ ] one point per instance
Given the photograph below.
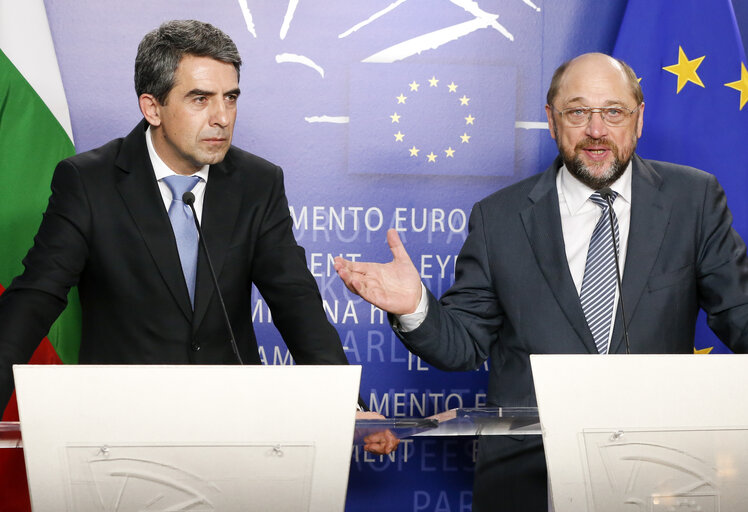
(35, 134)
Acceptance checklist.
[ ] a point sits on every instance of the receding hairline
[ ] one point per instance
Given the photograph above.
(622, 66)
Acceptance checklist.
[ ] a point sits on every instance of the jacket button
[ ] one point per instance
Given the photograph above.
(195, 346)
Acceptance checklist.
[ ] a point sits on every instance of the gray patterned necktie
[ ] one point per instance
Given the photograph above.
(599, 283)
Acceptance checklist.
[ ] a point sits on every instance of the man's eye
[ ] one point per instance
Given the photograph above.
(232, 97)
(613, 112)
(200, 99)
(577, 112)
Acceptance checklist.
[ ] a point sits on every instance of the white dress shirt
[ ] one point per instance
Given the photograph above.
(579, 216)
(162, 171)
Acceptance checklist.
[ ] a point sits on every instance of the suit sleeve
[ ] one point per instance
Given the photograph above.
(722, 271)
(459, 329)
(280, 272)
(52, 266)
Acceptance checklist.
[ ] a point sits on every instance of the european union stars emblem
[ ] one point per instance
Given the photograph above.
(456, 120)
(464, 101)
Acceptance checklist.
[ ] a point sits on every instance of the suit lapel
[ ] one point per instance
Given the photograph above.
(650, 216)
(142, 197)
(221, 209)
(542, 222)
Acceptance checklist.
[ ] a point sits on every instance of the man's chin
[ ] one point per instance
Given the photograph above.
(597, 176)
(213, 157)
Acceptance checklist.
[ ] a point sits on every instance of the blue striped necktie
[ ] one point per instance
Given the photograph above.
(183, 224)
(599, 283)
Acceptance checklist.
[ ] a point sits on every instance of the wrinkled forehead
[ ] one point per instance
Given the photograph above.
(595, 80)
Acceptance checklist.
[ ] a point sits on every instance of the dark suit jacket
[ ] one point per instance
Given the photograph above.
(106, 230)
(514, 296)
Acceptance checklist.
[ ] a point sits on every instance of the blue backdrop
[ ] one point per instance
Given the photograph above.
(383, 113)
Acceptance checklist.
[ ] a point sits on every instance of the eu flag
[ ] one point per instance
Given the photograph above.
(691, 64)
(432, 119)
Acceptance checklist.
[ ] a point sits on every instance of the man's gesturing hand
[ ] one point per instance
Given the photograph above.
(394, 287)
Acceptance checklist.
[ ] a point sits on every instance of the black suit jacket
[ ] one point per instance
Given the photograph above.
(106, 230)
(514, 296)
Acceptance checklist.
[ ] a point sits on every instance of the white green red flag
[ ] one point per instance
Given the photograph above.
(35, 134)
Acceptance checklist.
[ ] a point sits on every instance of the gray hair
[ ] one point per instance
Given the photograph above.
(161, 50)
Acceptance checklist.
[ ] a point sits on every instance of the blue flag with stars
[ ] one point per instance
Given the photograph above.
(432, 119)
(691, 64)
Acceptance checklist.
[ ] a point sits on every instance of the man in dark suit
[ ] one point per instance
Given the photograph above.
(521, 277)
(107, 230)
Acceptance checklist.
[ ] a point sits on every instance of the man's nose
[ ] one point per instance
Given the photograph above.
(596, 127)
(219, 114)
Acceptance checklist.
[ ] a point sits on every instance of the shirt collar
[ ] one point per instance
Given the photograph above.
(577, 193)
(160, 168)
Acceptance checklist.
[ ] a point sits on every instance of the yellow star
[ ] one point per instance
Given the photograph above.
(401, 98)
(450, 152)
(741, 85)
(395, 117)
(433, 81)
(469, 119)
(464, 100)
(399, 136)
(703, 350)
(465, 138)
(432, 157)
(685, 70)
(414, 151)
(414, 85)
(452, 87)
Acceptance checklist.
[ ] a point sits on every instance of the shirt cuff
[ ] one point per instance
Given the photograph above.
(412, 321)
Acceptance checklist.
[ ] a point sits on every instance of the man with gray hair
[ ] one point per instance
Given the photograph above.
(116, 225)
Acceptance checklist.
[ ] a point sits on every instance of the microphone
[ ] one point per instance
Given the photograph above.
(189, 199)
(607, 194)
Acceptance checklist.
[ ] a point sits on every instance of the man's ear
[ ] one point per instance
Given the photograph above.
(150, 108)
(640, 121)
(549, 115)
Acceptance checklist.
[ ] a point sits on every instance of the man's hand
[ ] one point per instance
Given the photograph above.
(379, 443)
(394, 287)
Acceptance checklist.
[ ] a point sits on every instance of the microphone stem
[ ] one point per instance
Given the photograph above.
(232, 339)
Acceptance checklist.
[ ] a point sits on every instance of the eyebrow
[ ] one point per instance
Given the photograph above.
(201, 92)
(607, 103)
